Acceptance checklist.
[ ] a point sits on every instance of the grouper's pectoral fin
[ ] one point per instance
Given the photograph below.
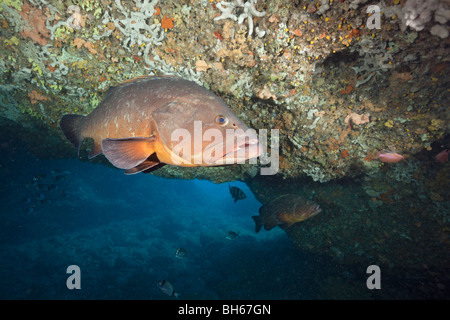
(145, 167)
(128, 153)
(270, 222)
(152, 163)
(286, 225)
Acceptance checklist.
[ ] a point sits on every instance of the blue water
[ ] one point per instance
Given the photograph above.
(123, 232)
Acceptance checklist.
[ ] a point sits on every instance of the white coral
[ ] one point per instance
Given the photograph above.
(249, 10)
(439, 31)
(324, 6)
(442, 14)
(418, 13)
(134, 26)
(316, 174)
(227, 9)
(74, 21)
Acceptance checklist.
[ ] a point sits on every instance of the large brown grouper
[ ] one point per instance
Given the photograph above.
(147, 122)
(284, 211)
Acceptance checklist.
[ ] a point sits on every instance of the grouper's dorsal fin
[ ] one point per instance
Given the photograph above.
(110, 91)
(129, 152)
(149, 77)
(136, 79)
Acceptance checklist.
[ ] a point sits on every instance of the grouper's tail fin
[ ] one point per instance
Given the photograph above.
(70, 125)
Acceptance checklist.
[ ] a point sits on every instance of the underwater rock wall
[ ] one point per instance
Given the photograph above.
(397, 219)
(303, 67)
(338, 86)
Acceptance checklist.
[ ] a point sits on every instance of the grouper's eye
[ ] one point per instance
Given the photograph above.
(221, 120)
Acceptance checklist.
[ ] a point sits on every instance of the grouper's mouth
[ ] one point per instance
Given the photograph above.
(236, 149)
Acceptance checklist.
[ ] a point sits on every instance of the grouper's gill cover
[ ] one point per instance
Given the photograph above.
(133, 125)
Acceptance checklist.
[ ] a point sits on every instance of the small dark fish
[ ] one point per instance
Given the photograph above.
(39, 177)
(236, 193)
(231, 235)
(284, 211)
(167, 288)
(181, 253)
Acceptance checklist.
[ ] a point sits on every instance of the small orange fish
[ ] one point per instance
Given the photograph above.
(388, 157)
